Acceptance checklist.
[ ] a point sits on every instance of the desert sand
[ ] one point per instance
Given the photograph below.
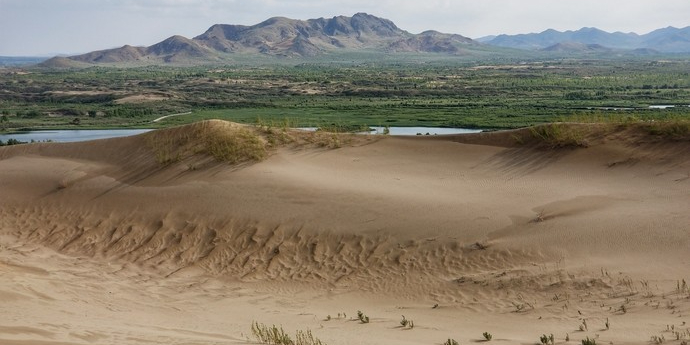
(100, 243)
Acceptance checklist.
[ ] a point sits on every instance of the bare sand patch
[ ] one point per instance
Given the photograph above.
(142, 98)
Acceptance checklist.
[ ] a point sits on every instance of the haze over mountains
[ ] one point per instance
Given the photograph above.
(667, 40)
(291, 38)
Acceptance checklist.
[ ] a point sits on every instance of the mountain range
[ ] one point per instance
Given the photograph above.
(667, 40)
(290, 38)
(287, 38)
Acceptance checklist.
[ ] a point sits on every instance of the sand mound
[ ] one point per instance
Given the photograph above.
(497, 228)
(143, 98)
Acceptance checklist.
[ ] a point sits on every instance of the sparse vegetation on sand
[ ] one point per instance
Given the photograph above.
(560, 135)
(223, 141)
(546, 340)
(582, 132)
(277, 336)
(589, 341)
(232, 143)
(406, 323)
(674, 129)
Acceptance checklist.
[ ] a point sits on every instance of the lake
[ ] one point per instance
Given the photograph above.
(71, 135)
(415, 130)
(663, 106)
(64, 136)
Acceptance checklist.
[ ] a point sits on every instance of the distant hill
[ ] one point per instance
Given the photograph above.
(285, 38)
(576, 47)
(8, 61)
(61, 62)
(668, 40)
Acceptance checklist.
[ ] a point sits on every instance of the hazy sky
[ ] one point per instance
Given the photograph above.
(49, 27)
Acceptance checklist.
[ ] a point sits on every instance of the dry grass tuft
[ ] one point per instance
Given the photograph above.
(584, 132)
(224, 141)
(560, 135)
(678, 129)
(234, 143)
(276, 335)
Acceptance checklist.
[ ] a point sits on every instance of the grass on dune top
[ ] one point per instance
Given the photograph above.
(225, 141)
(578, 132)
(236, 143)
(232, 142)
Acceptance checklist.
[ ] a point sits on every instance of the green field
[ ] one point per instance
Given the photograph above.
(442, 93)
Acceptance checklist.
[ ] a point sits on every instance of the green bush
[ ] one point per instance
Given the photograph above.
(588, 341)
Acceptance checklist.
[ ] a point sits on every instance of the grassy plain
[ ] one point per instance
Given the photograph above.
(422, 93)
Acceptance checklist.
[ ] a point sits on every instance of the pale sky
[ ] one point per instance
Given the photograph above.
(50, 27)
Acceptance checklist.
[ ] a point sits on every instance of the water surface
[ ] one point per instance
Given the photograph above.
(415, 130)
(65, 136)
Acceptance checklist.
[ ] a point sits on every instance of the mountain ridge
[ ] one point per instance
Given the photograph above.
(665, 40)
(283, 37)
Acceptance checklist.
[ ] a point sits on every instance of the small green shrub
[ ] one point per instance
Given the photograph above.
(583, 325)
(451, 342)
(550, 339)
(362, 318)
(404, 322)
(588, 341)
(658, 339)
(487, 336)
(11, 141)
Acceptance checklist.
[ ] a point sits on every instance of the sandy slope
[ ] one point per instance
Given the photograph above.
(101, 244)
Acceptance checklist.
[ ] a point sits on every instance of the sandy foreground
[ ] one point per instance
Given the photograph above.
(101, 244)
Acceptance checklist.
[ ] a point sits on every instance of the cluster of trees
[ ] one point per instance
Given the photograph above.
(25, 114)
(125, 112)
(10, 142)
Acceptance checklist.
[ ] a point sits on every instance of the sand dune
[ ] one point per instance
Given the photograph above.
(115, 242)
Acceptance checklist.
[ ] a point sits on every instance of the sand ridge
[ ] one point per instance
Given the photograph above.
(515, 239)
